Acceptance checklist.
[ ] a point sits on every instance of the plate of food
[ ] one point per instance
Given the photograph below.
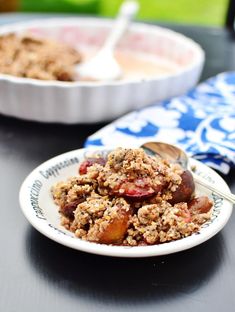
(123, 202)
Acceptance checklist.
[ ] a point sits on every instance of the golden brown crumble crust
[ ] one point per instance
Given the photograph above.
(128, 201)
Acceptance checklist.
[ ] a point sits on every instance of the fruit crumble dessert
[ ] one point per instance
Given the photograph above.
(130, 198)
(31, 57)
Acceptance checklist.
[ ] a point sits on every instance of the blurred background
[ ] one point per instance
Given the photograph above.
(200, 12)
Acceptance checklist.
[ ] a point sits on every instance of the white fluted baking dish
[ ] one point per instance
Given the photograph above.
(89, 102)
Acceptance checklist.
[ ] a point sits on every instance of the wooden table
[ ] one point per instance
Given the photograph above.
(37, 274)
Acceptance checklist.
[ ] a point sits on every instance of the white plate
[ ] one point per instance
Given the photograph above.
(38, 207)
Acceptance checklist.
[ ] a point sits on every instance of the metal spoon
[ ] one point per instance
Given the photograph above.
(103, 66)
(176, 155)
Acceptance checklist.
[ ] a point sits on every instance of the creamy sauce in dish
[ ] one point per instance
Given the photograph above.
(137, 65)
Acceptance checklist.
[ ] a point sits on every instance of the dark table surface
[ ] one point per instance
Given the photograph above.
(37, 274)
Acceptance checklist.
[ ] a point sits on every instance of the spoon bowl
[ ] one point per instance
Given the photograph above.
(167, 151)
(176, 155)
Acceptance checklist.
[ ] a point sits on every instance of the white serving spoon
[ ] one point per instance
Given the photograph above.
(175, 154)
(103, 66)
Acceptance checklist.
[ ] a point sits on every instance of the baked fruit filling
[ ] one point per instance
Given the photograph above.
(131, 198)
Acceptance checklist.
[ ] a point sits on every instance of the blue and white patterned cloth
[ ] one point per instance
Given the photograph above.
(202, 122)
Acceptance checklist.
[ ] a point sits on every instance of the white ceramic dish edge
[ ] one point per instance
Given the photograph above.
(85, 102)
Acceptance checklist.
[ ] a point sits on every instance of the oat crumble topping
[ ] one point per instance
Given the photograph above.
(31, 57)
(131, 198)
